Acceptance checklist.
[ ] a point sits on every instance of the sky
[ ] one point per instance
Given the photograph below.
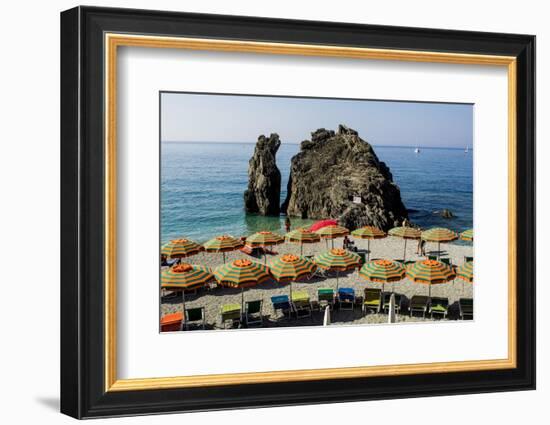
(189, 117)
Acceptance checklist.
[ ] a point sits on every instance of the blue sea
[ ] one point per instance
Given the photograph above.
(202, 187)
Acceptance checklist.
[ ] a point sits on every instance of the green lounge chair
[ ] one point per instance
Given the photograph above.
(466, 308)
(372, 300)
(439, 306)
(195, 317)
(432, 257)
(301, 303)
(386, 304)
(446, 261)
(418, 304)
(466, 259)
(232, 313)
(325, 296)
(253, 313)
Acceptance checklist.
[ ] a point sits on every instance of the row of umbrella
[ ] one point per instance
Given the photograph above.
(181, 248)
(289, 268)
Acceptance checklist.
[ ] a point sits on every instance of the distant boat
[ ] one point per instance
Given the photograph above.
(466, 150)
(416, 150)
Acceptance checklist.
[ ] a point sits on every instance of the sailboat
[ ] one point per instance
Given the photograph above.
(466, 150)
(416, 150)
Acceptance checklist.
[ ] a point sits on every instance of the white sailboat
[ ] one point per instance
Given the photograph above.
(466, 150)
(416, 150)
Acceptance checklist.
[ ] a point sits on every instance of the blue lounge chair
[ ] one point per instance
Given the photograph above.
(282, 303)
(346, 298)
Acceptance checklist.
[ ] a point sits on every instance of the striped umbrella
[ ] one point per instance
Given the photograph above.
(337, 260)
(180, 248)
(290, 268)
(466, 273)
(263, 239)
(223, 244)
(368, 232)
(430, 272)
(383, 271)
(184, 277)
(405, 233)
(242, 274)
(332, 232)
(467, 235)
(439, 234)
(302, 236)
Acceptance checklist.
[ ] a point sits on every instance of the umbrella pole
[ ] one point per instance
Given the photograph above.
(439, 250)
(290, 291)
(337, 276)
(223, 254)
(183, 318)
(332, 243)
(242, 300)
(405, 251)
(301, 249)
(368, 249)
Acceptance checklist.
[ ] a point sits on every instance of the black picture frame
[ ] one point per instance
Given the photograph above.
(83, 392)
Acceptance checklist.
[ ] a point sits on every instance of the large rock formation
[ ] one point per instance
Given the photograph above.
(263, 195)
(338, 175)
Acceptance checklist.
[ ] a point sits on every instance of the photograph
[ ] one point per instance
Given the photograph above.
(279, 211)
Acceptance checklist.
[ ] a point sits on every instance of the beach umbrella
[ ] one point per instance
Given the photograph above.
(332, 232)
(439, 234)
(466, 273)
(467, 235)
(184, 277)
(383, 271)
(242, 274)
(290, 268)
(302, 236)
(263, 239)
(223, 244)
(337, 260)
(368, 233)
(430, 272)
(405, 233)
(180, 248)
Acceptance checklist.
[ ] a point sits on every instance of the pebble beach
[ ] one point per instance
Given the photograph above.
(213, 298)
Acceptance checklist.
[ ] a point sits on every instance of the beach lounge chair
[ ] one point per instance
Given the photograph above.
(466, 259)
(418, 304)
(171, 322)
(439, 306)
(372, 300)
(281, 303)
(195, 317)
(325, 297)
(446, 261)
(466, 308)
(231, 313)
(432, 257)
(253, 313)
(386, 304)
(301, 304)
(346, 298)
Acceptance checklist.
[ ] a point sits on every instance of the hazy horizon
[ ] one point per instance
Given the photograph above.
(214, 118)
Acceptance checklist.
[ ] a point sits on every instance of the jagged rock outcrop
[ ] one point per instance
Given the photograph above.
(263, 195)
(338, 175)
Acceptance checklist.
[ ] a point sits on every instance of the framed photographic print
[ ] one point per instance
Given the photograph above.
(261, 212)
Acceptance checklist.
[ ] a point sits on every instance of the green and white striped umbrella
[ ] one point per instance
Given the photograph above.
(302, 236)
(467, 235)
(337, 260)
(185, 277)
(405, 233)
(242, 274)
(332, 231)
(430, 272)
(368, 232)
(180, 248)
(383, 271)
(466, 272)
(263, 239)
(290, 268)
(223, 244)
(439, 234)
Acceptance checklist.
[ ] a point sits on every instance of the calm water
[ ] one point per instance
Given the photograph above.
(202, 187)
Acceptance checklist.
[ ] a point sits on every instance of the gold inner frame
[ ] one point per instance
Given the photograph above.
(113, 41)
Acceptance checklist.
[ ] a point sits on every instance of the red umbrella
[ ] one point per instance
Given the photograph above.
(322, 223)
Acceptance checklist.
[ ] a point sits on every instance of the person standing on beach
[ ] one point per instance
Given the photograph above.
(287, 224)
(421, 248)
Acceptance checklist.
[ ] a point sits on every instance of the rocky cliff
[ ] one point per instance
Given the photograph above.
(338, 175)
(263, 195)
